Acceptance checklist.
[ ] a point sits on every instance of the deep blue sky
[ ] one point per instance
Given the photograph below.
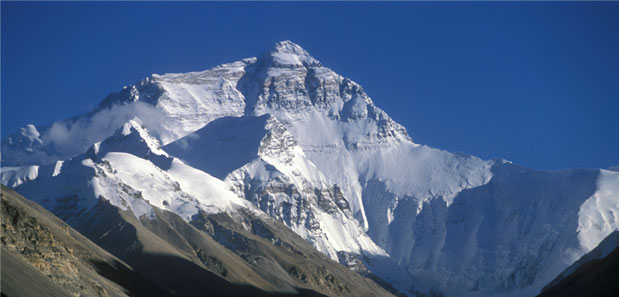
(535, 83)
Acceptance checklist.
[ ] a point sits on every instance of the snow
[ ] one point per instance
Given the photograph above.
(57, 168)
(114, 190)
(182, 189)
(212, 193)
(287, 53)
(144, 177)
(599, 215)
(222, 146)
(132, 138)
(15, 176)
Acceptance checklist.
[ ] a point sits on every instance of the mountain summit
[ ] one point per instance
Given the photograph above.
(288, 53)
(282, 138)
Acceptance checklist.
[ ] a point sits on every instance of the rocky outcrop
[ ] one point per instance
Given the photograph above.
(38, 246)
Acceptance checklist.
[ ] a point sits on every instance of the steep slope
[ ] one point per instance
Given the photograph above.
(139, 212)
(271, 248)
(528, 224)
(38, 248)
(262, 163)
(595, 274)
(308, 147)
(21, 277)
(223, 251)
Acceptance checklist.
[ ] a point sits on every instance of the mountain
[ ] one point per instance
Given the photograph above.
(594, 274)
(281, 136)
(262, 162)
(160, 256)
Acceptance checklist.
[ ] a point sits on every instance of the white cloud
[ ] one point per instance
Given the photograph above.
(72, 137)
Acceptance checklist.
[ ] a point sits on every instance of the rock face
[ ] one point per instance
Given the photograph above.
(42, 256)
(262, 163)
(283, 136)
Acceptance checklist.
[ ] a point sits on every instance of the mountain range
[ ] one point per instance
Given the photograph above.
(267, 171)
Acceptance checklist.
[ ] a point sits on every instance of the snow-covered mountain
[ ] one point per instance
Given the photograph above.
(260, 161)
(282, 135)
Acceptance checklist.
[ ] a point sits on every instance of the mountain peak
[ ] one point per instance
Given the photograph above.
(288, 46)
(288, 53)
(132, 138)
(133, 125)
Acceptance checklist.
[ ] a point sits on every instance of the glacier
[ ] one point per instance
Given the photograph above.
(283, 136)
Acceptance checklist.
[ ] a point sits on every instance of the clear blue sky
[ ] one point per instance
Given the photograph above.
(535, 83)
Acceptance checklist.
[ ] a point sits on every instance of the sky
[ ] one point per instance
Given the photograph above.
(534, 83)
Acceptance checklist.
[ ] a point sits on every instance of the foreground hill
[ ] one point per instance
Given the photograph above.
(43, 256)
